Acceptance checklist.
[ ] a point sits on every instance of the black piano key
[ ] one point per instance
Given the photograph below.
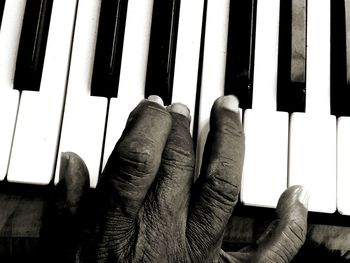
(109, 47)
(240, 51)
(32, 45)
(340, 57)
(291, 77)
(2, 6)
(162, 49)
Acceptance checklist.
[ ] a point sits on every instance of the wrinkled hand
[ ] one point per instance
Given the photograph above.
(147, 207)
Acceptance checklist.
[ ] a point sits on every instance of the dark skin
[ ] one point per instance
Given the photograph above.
(147, 206)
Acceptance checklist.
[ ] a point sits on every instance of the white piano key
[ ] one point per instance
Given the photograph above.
(265, 164)
(187, 54)
(84, 115)
(133, 71)
(38, 124)
(312, 158)
(264, 175)
(312, 153)
(214, 64)
(343, 165)
(9, 40)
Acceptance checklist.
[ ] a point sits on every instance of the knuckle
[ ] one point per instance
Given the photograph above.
(179, 157)
(223, 178)
(292, 238)
(225, 192)
(137, 155)
(296, 232)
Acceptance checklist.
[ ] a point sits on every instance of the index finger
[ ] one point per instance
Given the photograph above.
(218, 186)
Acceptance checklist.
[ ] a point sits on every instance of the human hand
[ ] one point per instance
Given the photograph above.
(147, 207)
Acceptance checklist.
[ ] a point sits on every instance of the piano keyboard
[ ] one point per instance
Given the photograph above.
(288, 62)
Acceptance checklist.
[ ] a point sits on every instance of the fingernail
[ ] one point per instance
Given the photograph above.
(303, 196)
(229, 102)
(156, 99)
(180, 108)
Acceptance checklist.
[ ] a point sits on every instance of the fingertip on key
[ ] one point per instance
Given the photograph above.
(72, 162)
(229, 102)
(297, 193)
(303, 196)
(180, 109)
(156, 99)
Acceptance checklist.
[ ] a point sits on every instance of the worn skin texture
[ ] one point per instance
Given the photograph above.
(147, 206)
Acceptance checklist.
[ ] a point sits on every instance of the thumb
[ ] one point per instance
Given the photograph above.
(60, 233)
(285, 236)
(73, 186)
